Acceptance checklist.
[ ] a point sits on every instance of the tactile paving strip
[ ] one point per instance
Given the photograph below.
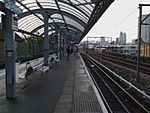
(65, 102)
(85, 100)
(78, 95)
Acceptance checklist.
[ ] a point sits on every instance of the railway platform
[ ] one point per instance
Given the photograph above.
(65, 88)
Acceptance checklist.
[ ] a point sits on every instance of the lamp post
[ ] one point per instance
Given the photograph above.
(140, 22)
(87, 45)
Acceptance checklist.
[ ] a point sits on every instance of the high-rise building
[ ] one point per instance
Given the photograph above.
(103, 41)
(117, 40)
(145, 29)
(122, 38)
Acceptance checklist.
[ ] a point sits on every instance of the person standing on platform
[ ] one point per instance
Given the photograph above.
(68, 52)
(74, 50)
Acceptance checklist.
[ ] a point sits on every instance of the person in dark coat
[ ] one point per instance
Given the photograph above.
(68, 52)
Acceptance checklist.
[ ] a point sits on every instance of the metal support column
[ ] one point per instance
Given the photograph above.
(139, 43)
(59, 46)
(46, 40)
(87, 46)
(141, 22)
(63, 46)
(10, 56)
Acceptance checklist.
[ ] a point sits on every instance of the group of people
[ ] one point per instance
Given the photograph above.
(71, 50)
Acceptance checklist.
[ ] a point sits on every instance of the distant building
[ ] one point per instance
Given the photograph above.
(145, 49)
(145, 30)
(122, 38)
(123, 49)
(117, 40)
(134, 41)
(130, 49)
(105, 41)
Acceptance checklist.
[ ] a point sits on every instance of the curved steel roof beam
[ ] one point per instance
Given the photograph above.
(98, 11)
(81, 9)
(83, 12)
(29, 10)
(73, 34)
(74, 12)
(54, 11)
(60, 24)
(31, 25)
(64, 31)
(74, 7)
(84, 5)
(23, 22)
(65, 3)
(70, 11)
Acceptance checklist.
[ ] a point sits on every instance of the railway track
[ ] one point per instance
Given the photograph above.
(144, 67)
(115, 96)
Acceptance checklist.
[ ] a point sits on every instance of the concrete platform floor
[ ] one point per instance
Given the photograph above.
(66, 88)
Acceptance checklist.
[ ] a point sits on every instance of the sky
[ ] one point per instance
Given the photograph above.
(122, 15)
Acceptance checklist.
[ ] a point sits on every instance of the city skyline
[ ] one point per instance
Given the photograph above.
(122, 15)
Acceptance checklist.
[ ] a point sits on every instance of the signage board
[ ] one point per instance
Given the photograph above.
(15, 23)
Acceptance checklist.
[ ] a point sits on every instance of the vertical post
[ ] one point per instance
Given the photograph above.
(9, 36)
(46, 40)
(100, 50)
(139, 43)
(63, 43)
(60, 38)
(59, 42)
(58, 34)
(87, 45)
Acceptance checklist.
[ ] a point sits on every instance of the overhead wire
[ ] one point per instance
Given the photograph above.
(125, 18)
(122, 20)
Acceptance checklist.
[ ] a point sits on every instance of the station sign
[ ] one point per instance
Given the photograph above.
(15, 23)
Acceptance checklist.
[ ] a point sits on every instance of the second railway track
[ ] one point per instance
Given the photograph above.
(144, 67)
(115, 96)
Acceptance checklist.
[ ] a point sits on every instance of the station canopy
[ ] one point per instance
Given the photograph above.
(69, 18)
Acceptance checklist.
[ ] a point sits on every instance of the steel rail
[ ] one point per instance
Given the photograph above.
(107, 86)
(123, 62)
(101, 94)
(140, 107)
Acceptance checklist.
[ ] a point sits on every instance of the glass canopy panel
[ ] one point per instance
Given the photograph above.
(68, 8)
(80, 9)
(88, 12)
(29, 22)
(50, 21)
(73, 23)
(32, 5)
(76, 15)
(90, 8)
(77, 1)
(32, 26)
(47, 4)
(56, 16)
(58, 20)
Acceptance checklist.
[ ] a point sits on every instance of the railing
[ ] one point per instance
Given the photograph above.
(22, 67)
